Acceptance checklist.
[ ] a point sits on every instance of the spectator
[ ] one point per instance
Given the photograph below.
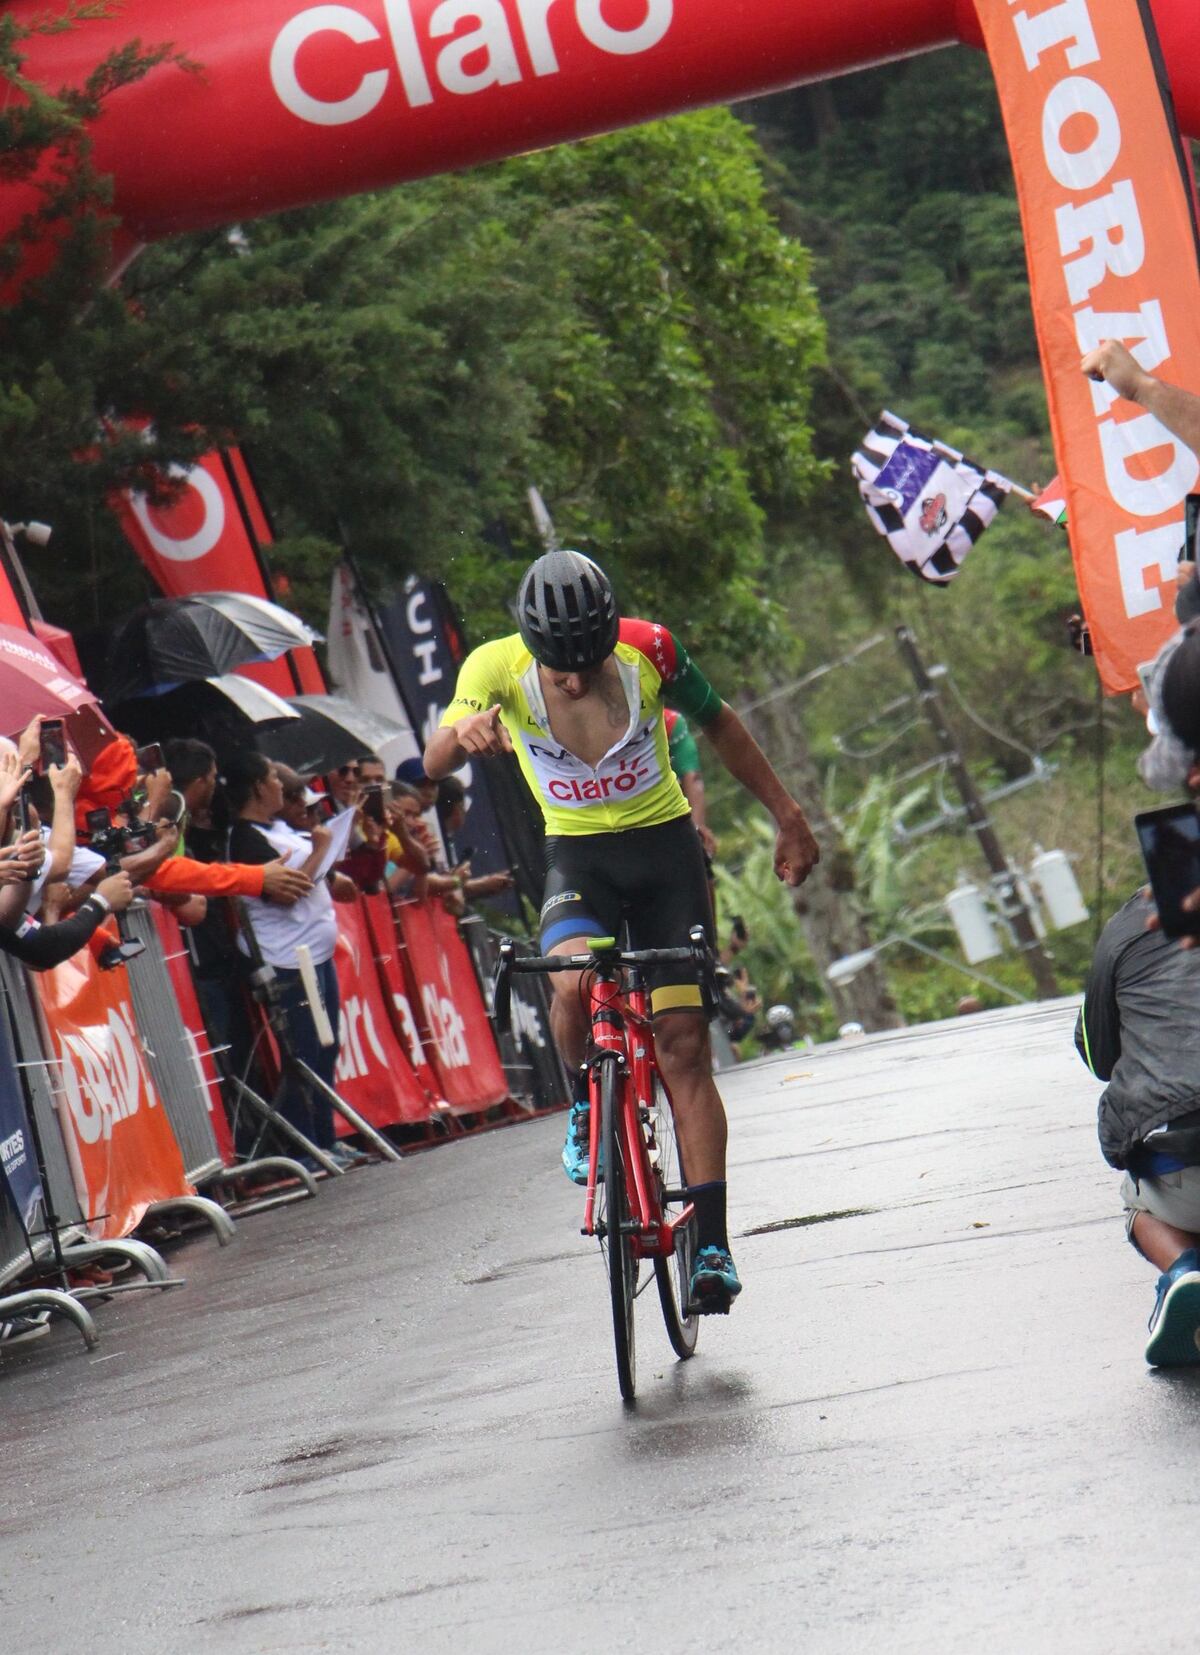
(259, 835)
(1177, 409)
(451, 806)
(299, 806)
(778, 1033)
(343, 786)
(409, 845)
(412, 773)
(43, 946)
(1138, 1030)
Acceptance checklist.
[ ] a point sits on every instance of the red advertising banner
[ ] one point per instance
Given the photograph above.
(1108, 205)
(212, 539)
(381, 928)
(373, 1074)
(199, 1045)
(299, 102)
(454, 1025)
(119, 1142)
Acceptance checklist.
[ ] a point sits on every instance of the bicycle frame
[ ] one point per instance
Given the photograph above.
(622, 1033)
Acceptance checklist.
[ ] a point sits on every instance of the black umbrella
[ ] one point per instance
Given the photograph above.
(175, 640)
(227, 712)
(329, 732)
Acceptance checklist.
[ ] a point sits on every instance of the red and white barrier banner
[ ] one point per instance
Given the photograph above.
(118, 1139)
(1108, 206)
(199, 1045)
(373, 1074)
(450, 1011)
(212, 539)
(381, 927)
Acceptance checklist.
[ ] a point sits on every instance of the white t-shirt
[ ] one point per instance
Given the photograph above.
(311, 921)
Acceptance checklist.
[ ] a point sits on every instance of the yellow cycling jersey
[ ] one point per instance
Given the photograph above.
(633, 785)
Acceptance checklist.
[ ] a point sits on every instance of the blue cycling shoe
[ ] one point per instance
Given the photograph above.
(575, 1150)
(714, 1285)
(1175, 1322)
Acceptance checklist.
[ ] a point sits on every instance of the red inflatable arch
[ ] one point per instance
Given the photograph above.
(300, 102)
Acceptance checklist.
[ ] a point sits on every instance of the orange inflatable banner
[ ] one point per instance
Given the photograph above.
(119, 1142)
(1108, 206)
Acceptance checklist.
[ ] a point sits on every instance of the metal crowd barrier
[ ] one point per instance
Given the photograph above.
(173, 1068)
(535, 1073)
(42, 1082)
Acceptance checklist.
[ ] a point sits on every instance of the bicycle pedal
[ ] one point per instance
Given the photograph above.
(710, 1304)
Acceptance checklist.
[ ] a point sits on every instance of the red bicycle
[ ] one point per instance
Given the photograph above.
(637, 1202)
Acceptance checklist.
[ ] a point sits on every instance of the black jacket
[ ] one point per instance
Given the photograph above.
(1139, 1029)
(49, 945)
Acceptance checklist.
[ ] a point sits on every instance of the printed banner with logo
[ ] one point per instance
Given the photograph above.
(118, 1139)
(454, 1025)
(427, 648)
(18, 1162)
(535, 1072)
(381, 928)
(175, 953)
(373, 1074)
(1110, 231)
(213, 538)
(358, 663)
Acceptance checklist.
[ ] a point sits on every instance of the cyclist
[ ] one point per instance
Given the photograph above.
(579, 694)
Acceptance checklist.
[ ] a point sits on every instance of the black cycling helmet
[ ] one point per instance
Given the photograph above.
(567, 612)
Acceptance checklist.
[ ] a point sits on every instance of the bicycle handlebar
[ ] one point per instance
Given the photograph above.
(698, 953)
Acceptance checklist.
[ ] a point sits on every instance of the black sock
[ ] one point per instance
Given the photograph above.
(579, 1084)
(709, 1201)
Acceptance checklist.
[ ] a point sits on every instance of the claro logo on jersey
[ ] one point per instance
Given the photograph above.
(356, 47)
(567, 781)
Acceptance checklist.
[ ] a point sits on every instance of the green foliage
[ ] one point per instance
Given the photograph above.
(621, 322)
(71, 351)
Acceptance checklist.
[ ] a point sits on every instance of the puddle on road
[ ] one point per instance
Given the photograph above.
(803, 1222)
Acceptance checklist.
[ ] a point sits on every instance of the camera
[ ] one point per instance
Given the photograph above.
(112, 842)
(372, 802)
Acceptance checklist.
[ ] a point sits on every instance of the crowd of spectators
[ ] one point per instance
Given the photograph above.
(249, 855)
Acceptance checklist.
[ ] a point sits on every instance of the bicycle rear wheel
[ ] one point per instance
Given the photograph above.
(674, 1274)
(618, 1246)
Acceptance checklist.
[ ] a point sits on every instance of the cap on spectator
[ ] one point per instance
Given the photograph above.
(411, 771)
(1181, 691)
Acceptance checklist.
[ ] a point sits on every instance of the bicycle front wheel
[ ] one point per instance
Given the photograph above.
(618, 1244)
(674, 1274)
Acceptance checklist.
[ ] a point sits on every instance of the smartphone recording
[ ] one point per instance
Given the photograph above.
(52, 744)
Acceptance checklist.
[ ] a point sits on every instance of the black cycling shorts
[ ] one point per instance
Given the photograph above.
(650, 878)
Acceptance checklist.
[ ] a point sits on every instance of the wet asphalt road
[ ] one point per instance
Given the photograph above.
(387, 1420)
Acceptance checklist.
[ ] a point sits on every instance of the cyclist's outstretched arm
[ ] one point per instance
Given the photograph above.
(796, 850)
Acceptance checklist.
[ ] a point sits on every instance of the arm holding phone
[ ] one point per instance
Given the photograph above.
(65, 781)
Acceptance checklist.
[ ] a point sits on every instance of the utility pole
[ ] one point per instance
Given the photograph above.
(1013, 904)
